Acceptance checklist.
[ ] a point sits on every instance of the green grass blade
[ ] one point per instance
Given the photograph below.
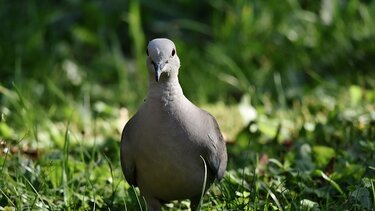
(65, 167)
(332, 182)
(204, 183)
(139, 202)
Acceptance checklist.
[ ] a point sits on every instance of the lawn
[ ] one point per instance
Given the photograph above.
(291, 84)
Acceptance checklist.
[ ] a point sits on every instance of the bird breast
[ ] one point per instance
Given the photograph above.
(175, 162)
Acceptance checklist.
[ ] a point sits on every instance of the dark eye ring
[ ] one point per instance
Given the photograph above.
(147, 52)
(173, 52)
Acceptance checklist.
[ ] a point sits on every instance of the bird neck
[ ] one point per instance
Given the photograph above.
(165, 90)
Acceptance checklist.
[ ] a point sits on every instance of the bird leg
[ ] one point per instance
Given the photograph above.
(194, 203)
(153, 204)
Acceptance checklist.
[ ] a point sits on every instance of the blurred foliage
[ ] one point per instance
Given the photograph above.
(320, 150)
(294, 81)
(77, 45)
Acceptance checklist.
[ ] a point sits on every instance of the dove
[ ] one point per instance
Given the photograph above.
(170, 147)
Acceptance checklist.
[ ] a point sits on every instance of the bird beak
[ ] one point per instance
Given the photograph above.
(158, 67)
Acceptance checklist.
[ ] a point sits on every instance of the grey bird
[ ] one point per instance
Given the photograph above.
(166, 144)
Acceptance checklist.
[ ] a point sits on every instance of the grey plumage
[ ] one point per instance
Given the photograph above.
(162, 143)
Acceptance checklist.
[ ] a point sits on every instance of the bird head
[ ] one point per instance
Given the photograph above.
(162, 60)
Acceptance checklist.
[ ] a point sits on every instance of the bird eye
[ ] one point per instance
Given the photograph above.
(173, 52)
(147, 52)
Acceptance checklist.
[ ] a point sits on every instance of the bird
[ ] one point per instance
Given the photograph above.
(170, 148)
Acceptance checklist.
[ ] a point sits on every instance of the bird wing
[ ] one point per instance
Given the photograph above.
(216, 153)
(126, 155)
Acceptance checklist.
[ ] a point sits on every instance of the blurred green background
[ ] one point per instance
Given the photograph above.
(227, 48)
(297, 72)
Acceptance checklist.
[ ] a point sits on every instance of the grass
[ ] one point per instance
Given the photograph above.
(292, 86)
(313, 155)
